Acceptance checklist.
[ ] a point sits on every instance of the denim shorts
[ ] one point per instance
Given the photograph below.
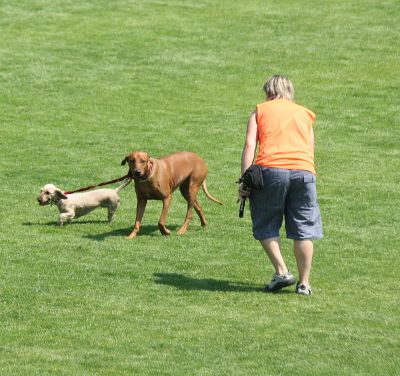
(289, 194)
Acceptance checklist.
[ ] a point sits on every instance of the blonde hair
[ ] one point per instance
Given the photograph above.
(279, 87)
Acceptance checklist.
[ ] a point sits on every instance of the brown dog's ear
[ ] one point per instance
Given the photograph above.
(123, 163)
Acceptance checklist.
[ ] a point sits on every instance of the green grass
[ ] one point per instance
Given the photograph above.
(84, 83)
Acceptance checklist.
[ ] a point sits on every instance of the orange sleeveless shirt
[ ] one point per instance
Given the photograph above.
(284, 136)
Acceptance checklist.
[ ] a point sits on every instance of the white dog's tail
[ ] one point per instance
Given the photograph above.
(204, 186)
(122, 186)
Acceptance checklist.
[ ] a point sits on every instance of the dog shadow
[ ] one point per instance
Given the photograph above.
(183, 282)
(72, 223)
(145, 230)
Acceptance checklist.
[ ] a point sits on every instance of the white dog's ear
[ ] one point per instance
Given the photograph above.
(61, 195)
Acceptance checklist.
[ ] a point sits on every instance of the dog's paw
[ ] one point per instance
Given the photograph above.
(181, 231)
(164, 229)
(131, 235)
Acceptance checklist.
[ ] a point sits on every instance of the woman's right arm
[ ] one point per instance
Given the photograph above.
(249, 148)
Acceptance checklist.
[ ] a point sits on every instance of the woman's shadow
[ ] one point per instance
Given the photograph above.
(183, 282)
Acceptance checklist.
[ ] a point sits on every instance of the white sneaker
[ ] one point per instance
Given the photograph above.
(303, 289)
(280, 281)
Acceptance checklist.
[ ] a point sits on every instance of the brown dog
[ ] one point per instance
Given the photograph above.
(156, 179)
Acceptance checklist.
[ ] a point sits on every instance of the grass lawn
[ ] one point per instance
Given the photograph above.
(84, 83)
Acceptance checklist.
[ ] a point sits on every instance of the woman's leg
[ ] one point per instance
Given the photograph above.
(303, 251)
(273, 251)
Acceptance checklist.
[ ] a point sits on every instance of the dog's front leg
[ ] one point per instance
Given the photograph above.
(141, 206)
(65, 217)
(163, 217)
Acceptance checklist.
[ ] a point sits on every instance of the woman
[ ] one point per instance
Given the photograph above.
(283, 132)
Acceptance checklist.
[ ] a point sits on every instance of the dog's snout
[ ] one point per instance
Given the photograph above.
(136, 173)
(41, 201)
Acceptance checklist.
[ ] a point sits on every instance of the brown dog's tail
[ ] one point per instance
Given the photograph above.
(122, 186)
(204, 186)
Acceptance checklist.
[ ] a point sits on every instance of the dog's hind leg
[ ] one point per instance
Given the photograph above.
(184, 188)
(200, 213)
(189, 192)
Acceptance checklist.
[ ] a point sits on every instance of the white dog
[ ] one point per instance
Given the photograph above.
(78, 204)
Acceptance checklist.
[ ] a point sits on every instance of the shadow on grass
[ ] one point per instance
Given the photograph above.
(183, 282)
(146, 230)
(73, 223)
